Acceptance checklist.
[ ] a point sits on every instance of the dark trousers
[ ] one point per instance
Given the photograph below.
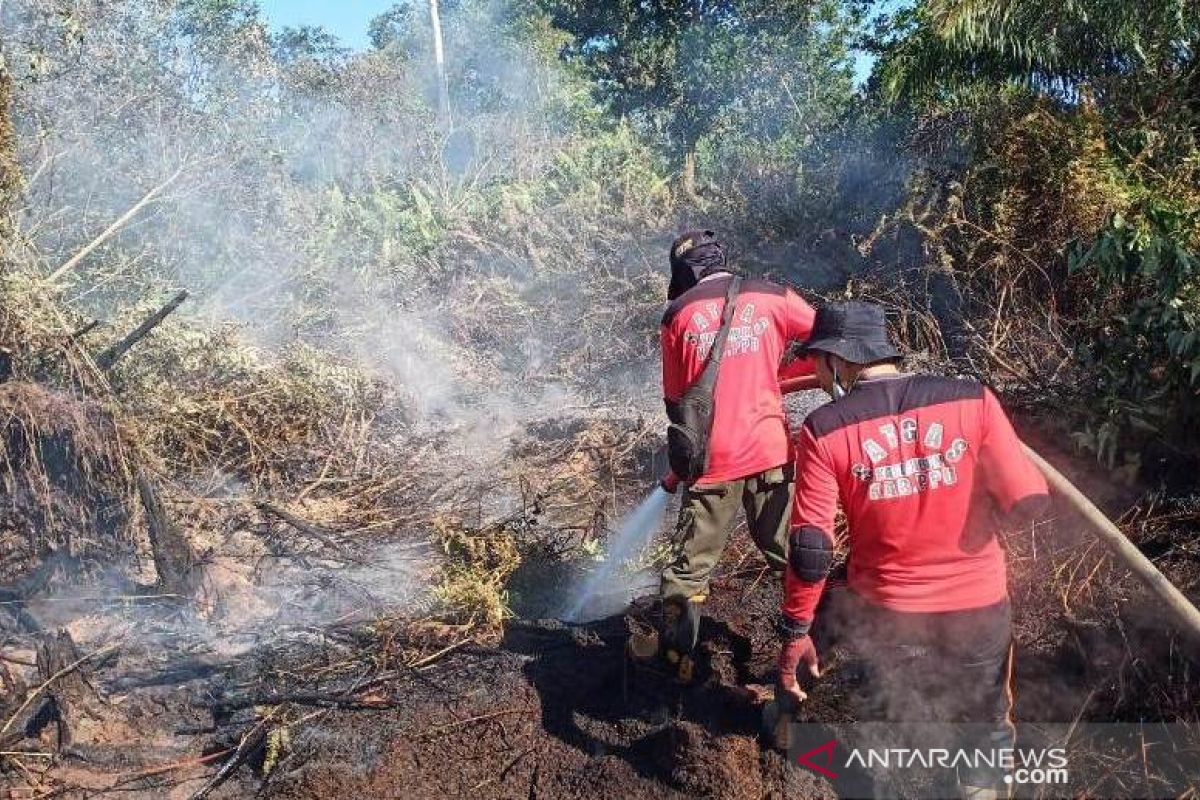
(948, 667)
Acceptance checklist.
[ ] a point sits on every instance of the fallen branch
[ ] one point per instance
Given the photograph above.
(469, 720)
(342, 698)
(110, 356)
(108, 232)
(307, 528)
(314, 699)
(424, 662)
(250, 743)
(163, 768)
(84, 330)
(507, 769)
(1185, 615)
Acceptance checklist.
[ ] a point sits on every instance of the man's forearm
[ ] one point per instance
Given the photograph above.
(800, 600)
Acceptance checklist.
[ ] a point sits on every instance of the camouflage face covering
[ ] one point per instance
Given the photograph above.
(694, 255)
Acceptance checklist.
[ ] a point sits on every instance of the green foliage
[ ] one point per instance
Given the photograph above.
(1145, 360)
(951, 46)
(394, 29)
(731, 72)
(318, 186)
(1070, 132)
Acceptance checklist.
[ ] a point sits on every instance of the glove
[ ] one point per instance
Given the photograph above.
(791, 654)
(669, 482)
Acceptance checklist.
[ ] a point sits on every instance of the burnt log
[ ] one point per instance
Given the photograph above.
(111, 355)
(252, 743)
(84, 330)
(173, 557)
(63, 698)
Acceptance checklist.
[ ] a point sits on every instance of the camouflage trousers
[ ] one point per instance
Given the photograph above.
(706, 523)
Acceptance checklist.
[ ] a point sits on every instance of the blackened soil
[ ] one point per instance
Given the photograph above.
(557, 711)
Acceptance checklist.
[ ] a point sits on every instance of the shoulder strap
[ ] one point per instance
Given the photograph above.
(709, 375)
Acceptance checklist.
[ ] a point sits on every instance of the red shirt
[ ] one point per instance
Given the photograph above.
(919, 463)
(750, 432)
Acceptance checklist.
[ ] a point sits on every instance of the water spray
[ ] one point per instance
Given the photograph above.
(632, 536)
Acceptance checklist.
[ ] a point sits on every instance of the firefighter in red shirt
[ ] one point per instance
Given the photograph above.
(749, 462)
(927, 470)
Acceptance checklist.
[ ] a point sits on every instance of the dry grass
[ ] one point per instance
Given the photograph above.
(66, 480)
(221, 426)
(216, 422)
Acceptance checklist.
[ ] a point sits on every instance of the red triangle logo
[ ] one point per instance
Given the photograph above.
(827, 749)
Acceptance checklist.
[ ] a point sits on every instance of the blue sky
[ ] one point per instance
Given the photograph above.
(345, 19)
(348, 21)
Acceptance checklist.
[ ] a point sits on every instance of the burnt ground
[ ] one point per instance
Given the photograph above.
(554, 710)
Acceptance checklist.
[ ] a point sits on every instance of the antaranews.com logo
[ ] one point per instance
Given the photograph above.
(1039, 766)
(1130, 761)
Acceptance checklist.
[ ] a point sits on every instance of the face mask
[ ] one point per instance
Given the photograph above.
(837, 391)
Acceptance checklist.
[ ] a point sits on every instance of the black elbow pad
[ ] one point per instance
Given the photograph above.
(810, 553)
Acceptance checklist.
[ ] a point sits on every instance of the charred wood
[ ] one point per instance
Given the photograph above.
(110, 356)
(303, 526)
(84, 330)
(62, 668)
(250, 744)
(173, 556)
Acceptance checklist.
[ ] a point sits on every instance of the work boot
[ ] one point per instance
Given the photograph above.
(680, 633)
(778, 713)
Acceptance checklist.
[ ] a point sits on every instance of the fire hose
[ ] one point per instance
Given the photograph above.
(1182, 612)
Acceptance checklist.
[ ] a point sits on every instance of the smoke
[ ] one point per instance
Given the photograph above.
(310, 196)
(316, 198)
(494, 273)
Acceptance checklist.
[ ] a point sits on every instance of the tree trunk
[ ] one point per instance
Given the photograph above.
(439, 58)
(69, 699)
(689, 171)
(173, 555)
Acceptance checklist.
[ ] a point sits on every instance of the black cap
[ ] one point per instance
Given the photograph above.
(694, 255)
(852, 330)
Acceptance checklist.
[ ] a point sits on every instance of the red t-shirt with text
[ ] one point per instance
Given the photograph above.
(750, 432)
(919, 464)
